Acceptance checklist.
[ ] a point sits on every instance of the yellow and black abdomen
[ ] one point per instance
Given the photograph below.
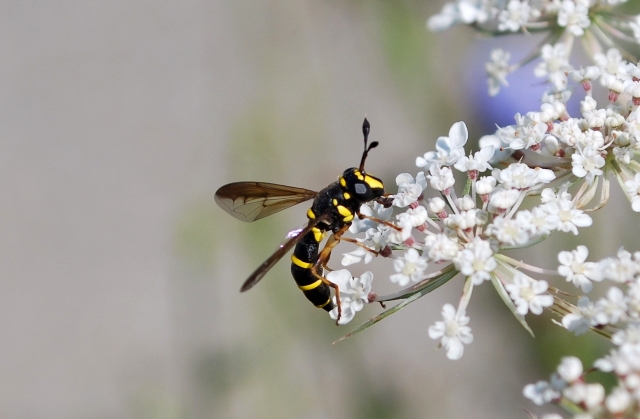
(303, 258)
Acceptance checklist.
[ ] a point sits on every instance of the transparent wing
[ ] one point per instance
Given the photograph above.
(293, 237)
(250, 201)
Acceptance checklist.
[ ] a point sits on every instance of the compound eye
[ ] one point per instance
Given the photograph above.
(361, 188)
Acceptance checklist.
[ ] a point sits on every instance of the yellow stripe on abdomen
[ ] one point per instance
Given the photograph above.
(310, 286)
(325, 303)
(300, 263)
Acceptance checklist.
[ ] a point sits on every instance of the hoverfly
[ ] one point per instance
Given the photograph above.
(333, 210)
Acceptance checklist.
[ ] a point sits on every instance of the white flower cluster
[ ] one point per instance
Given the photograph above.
(600, 140)
(620, 306)
(616, 315)
(564, 20)
(463, 234)
(554, 160)
(519, 15)
(568, 386)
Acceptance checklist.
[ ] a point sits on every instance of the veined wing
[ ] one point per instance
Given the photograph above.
(250, 201)
(294, 237)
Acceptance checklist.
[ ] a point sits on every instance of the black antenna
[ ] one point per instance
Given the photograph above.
(365, 131)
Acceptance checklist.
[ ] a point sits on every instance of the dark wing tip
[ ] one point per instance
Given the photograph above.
(252, 280)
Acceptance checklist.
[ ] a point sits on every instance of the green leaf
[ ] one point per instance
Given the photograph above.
(381, 316)
(427, 285)
(412, 297)
(502, 292)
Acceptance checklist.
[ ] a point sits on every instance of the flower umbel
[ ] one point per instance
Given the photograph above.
(468, 234)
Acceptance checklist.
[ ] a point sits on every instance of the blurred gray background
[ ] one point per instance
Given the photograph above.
(120, 276)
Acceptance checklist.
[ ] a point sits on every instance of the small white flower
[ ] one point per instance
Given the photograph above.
(570, 369)
(465, 220)
(568, 132)
(436, 205)
(500, 145)
(633, 88)
(588, 316)
(418, 215)
(574, 15)
(485, 185)
(529, 295)
(591, 395)
(611, 63)
(409, 267)
(377, 238)
(348, 310)
(471, 11)
(633, 293)
(612, 308)
(614, 117)
(453, 331)
(440, 247)
(570, 217)
(632, 188)
(379, 211)
(585, 74)
(521, 176)
(409, 189)
(613, 83)
(516, 15)
(588, 104)
(502, 199)
(592, 138)
(550, 146)
(632, 381)
(465, 203)
(509, 231)
(448, 149)
(574, 268)
(354, 293)
(476, 261)
(618, 401)
(549, 112)
(633, 70)
(548, 195)
(621, 269)
(541, 393)
(587, 163)
(463, 11)
(478, 163)
(356, 256)
(525, 134)
(355, 288)
(624, 155)
(441, 178)
(628, 336)
(624, 361)
(406, 225)
(497, 70)
(538, 221)
(555, 65)
(443, 20)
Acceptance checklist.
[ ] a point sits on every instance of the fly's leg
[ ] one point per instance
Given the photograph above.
(379, 221)
(322, 260)
(357, 243)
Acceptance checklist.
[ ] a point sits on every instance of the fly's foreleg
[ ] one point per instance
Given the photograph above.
(323, 258)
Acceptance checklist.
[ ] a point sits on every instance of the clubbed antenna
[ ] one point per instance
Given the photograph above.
(365, 131)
